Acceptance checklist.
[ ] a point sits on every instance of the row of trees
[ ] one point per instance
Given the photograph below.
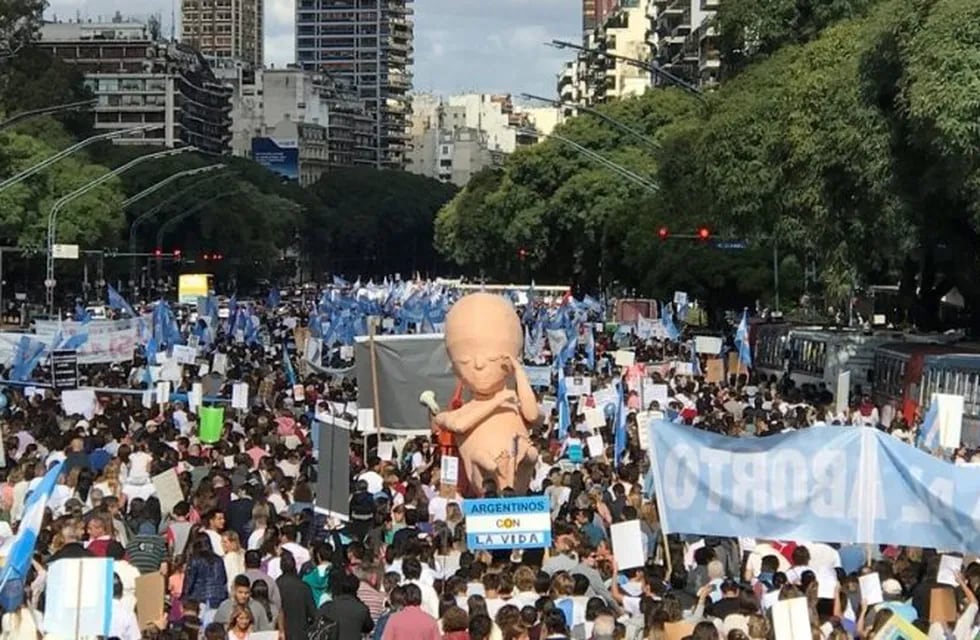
(357, 221)
(845, 136)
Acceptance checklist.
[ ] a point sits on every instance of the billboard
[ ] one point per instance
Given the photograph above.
(278, 156)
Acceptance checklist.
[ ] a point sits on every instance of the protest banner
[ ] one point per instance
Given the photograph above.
(823, 483)
(508, 523)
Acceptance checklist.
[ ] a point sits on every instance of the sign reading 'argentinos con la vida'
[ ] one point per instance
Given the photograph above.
(508, 523)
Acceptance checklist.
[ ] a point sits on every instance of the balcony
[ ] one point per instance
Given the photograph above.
(676, 8)
(710, 5)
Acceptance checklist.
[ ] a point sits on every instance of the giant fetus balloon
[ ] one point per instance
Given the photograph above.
(484, 340)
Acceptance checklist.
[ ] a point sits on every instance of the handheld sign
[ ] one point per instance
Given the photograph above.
(508, 523)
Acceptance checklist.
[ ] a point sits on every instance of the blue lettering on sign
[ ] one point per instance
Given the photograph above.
(531, 540)
(506, 506)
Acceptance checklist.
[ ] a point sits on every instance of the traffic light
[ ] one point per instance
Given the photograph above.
(522, 254)
(158, 252)
(663, 233)
(704, 233)
(177, 254)
(217, 256)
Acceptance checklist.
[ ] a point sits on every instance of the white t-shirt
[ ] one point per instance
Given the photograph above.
(215, 539)
(375, 482)
(139, 467)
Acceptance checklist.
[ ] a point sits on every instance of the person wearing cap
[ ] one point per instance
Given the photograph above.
(891, 589)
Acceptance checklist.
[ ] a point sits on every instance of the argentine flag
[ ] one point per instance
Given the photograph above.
(20, 549)
(929, 429)
(742, 340)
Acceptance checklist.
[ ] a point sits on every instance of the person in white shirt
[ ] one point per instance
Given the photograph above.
(412, 573)
(287, 542)
(371, 476)
(215, 525)
(753, 566)
(801, 564)
(123, 623)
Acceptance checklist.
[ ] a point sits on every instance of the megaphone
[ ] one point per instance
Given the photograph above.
(428, 398)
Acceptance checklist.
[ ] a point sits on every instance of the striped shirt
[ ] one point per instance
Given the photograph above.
(373, 599)
(146, 552)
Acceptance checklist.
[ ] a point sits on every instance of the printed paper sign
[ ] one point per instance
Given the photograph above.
(219, 363)
(184, 355)
(239, 395)
(627, 544)
(449, 470)
(508, 523)
(624, 358)
(578, 386)
(709, 345)
(163, 392)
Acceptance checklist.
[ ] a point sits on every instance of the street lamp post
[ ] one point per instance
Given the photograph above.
(646, 66)
(622, 126)
(602, 160)
(30, 171)
(49, 282)
(46, 111)
(154, 210)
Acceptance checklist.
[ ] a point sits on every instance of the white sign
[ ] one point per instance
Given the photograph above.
(578, 386)
(65, 251)
(680, 298)
(950, 419)
(239, 394)
(163, 392)
(624, 358)
(195, 397)
(843, 396)
(627, 544)
(184, 355)
(299, 393)
(709, 345)
(108, 340)
(219, 364)
(449, 470)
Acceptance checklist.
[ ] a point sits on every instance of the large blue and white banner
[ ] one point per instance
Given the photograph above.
(828, 484)
(508, 523)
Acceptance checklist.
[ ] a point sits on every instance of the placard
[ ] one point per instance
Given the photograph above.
(578, 386)
(842, 398)
(79, 402)
(597, 448)
(195, 397)
(942, 605)
(791, 619)
(79, 606)
(680, 298)
(449, 470)
(708, 345)
(172, 371)
(714, 371)
(163, 392)
(219, 363)
(184, 354)
(826, 583)
(508, 523)
(299, 393)
(627, 544)
(595, 418)
(949, 566)
(168, 490)
(870, 586)
(386, 451)
(150, 590)
(624, 358)
(64, 369)
(950, 419)
(655, 393)
(239, 395)
(212, 424)
(539, 377)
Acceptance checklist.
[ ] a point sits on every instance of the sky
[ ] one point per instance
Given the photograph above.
(461, 46)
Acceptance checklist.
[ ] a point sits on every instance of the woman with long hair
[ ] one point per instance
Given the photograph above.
(204, 578)
(234, 557)
(260, 593)
(240, 624)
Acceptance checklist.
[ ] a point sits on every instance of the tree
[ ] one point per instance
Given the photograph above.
(377, 222)
(20, 20)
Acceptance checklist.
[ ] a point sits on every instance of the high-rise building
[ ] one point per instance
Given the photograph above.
(366, 44)
(140, 81)
(595, 12)
(224, 28)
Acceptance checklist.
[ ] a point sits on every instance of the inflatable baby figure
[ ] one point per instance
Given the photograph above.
(484, 341)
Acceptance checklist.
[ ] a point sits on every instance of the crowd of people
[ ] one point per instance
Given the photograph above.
(246, 553)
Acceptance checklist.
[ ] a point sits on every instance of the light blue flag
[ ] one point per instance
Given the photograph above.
(667, 320)
(564, 411)
(742, 340)
(928, 437)
(116, 301)
(18, 560)
(852, 485)
(620, 436)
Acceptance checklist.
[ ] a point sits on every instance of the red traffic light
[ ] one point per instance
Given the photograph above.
(704, 233)
(663, 233)
(177, 254)
(522, 253)
(218, 256)
(206, 257)
(158, 252)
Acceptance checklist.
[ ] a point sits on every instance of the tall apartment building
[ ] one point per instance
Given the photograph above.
(140, 81)
(324, 121)
(367, 45)
(595, 77)
(455, 138)
(595, 12)
(676, 35)
(224, 28)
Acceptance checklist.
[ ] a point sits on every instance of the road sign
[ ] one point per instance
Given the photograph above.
(64, 369)
(508, 523)
(731, 245)
(65, 251)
